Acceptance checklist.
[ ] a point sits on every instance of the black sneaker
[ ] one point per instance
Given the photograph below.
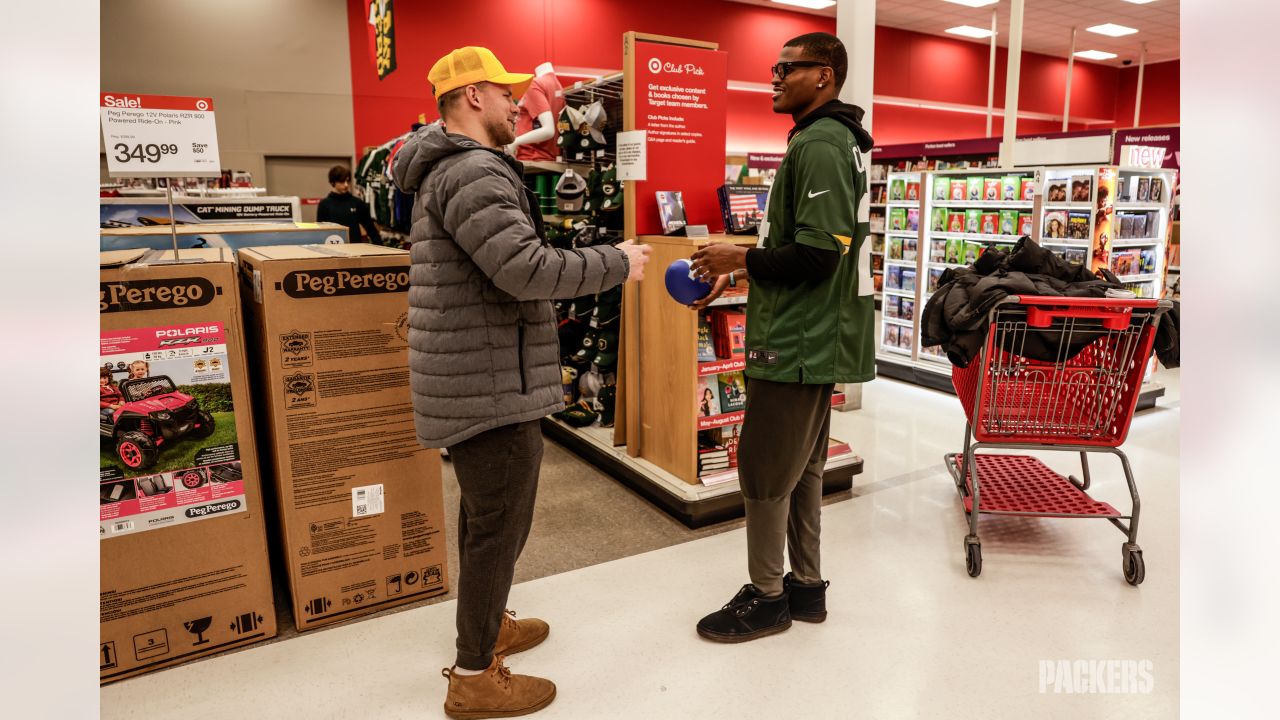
(749, 615)
(808, 603)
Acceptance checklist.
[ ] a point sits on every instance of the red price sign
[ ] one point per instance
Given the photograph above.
(159, 135)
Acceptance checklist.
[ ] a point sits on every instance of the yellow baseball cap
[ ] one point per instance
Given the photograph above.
(471, 65)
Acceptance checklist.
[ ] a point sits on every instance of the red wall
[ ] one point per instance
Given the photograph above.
(588, 33)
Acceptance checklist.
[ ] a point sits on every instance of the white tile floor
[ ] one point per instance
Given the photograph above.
(910, 635)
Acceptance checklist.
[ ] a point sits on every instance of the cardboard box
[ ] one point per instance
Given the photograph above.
(360, 506)
(222, 235)
(184, 564)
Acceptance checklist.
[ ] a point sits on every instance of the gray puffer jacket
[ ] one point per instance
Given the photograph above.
(483, 347)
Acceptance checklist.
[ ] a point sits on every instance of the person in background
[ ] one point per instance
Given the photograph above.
(484, 353)
(343, 208)
(810, 324)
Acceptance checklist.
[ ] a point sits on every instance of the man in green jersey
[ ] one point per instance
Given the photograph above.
(809, 326)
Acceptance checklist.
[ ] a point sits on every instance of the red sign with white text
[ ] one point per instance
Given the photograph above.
(154, 102)
(681, 96)
(159, 135)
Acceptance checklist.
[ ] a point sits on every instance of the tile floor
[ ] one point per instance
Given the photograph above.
(910, 635)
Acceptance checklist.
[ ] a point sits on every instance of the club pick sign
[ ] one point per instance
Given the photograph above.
(159, 136)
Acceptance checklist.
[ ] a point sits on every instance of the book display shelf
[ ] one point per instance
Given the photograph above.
(901, 265)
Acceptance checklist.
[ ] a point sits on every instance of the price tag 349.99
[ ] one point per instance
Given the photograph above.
(159, 136)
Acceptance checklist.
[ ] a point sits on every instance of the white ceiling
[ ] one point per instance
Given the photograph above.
(1046, 25)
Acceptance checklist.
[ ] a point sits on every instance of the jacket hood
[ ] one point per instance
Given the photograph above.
(848, 115)
(424, 150)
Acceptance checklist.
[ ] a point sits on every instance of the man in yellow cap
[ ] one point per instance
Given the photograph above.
(484, 353)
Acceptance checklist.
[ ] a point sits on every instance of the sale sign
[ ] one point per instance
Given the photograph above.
(680, 99)
(159, 136)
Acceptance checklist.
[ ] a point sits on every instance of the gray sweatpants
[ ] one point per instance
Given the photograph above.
(781, 455)
(498, 475)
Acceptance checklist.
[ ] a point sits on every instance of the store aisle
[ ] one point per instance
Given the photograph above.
(909, 635)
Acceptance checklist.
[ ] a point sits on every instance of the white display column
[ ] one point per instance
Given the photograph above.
(856, 28)
(1013, 75)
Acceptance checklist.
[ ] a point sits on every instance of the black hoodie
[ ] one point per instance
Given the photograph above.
(795, 263)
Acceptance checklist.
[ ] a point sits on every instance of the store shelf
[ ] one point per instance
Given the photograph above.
(1139, 242)
(903, 263)
(1149, 277)
(1141, 206)
(976, 237)
(906, 354)
(1069, 206)
(903, 233)
(981, 205)
(874, 206)
(729, 300)
(716, 367)
(1074, 244)
(897, 321)
(900, 293)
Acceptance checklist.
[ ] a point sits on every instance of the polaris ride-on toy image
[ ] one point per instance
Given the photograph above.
(154, 414)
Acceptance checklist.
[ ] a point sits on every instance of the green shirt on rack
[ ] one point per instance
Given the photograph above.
(817, 332)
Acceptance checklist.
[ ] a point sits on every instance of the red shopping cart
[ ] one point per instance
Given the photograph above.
(1055, 374)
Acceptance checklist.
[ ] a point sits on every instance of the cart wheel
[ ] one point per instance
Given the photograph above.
(973, 558)
(1135, 571)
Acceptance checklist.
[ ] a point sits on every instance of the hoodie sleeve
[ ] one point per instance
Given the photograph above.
(825, 206)
(483, 215)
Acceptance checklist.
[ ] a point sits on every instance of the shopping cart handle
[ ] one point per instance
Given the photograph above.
(1112, 318)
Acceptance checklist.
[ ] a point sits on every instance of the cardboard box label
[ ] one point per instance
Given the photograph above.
(367, 501)
(170, 450)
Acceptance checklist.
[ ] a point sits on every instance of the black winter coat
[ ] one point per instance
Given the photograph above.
(956, 316)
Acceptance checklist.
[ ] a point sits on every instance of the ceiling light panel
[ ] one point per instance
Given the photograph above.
(1095, 55)
(808, 4)
(1112, 30)
(970, 31)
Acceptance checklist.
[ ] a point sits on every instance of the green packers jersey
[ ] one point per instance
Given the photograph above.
(823, 331)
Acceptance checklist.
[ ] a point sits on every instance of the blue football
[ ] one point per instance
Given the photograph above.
(683, 286)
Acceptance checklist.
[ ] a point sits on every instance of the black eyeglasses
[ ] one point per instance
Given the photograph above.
(783, 69)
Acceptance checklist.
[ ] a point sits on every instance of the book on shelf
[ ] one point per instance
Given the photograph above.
(972, 221)
(913, 219)
(897, 189)
(913, 191)
(974, 186)
(1057, 192)
(1010, 187)
(706, 340)
(1055, 224)
(1144, 225)
(877, 282)
(729, 331)
(939, 223)
(1081, 188)
(1026, 224)
(1148, 263)
(877, 223)
(909, 252)
(955, 251)
(908, 280)
(906, 337)
(959, 189)
(1157, 190)
(897, 219)
(742, 207)
(1141, 289)
(877, 262)
(877, 173)
(989, 224)
(1076, 255)
(1028, 189)
(955, 221)
(733, 392)
(991, 189)
(671, 211)
(1126, 262)
(877, 244)
(938, 251)
(1008, 222)
(892, 307)
(907, 309)
(935, 278)
(731, 443)
(891, 334)
(893, 277)
(895, 248)
(972, 251)
(1144, 190)
(941, 187)
(1078, 225)
(708, 399)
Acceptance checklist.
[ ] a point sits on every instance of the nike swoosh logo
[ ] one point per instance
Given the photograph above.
(813, 194)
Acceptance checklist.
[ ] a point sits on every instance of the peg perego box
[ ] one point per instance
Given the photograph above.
(184, 563)
(359, 502)
(220, 235)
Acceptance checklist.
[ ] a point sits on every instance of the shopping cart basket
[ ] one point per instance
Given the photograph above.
(1079, 400)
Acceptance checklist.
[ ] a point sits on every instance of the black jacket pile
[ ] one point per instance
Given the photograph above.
(956, 316)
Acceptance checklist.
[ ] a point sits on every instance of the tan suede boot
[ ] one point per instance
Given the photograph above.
(495, 693)
(519, 635)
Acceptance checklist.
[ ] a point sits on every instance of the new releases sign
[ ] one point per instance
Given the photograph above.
(159, 136)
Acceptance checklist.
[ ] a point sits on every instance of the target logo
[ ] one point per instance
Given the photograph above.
(202, 104)
(655, 65)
